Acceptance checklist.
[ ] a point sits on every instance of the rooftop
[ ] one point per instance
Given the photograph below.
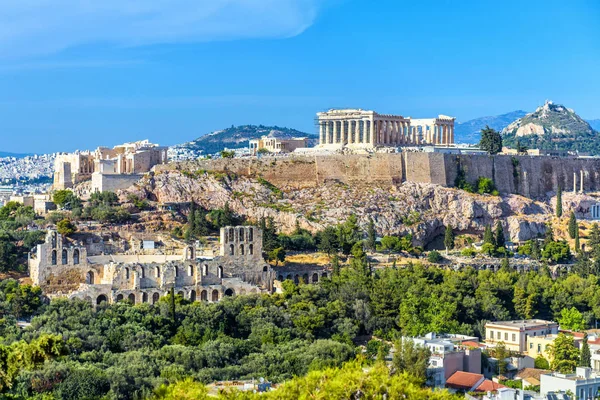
(522, 323)
(464, 380)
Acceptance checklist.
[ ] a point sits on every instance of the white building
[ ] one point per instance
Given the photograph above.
(583, 384)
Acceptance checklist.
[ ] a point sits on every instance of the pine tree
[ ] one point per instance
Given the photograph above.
(449, 239)
(505, 263)
(488, 236)
(585, 358)
(572, 225)
(559, 210)
(371, 235)
(491, 141)
(500, 240)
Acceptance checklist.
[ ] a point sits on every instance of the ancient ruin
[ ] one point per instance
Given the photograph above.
(367, 129)
(100, 269)
(109, 169)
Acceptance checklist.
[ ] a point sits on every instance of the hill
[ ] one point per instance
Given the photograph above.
(552, 126)
(594, 123)
(237, 137)
(15, 155)
(470, 131)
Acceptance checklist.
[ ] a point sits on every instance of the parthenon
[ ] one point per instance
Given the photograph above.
(361, 128)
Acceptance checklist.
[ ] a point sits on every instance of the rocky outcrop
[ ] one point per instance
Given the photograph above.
(420, 209)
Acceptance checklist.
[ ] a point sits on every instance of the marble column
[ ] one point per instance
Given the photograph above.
(372, 132)
(321, 133)
(335, 132)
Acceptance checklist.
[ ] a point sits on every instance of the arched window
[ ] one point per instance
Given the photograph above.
(242, 249)
(241, 238)
(265, 268)
(250, 249)
(144, 297)
(231, 235)
(305, 278)
(231, 250)
(101, 299)
(155, 298)
(205, 270)
(193, 295)
(157, 272)
(131, 298)
(54, 236)
(229, 292)
(126, 273)
(176, 272)
(65, 256)
(120, 297)
(142, 272)
(204, 295)
(76, 256)
(220, 272)
(215, 295)
(250, 234)
(190, 253)
(315, 278)
(89, 278)
(296, 279)
(191, 270)
(53, 257)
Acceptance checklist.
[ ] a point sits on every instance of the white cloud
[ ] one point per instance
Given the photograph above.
(33, 27)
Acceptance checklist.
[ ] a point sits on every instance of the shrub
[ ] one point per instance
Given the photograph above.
(434, 256)
(66, 227)
(468, 252)
(486, 186)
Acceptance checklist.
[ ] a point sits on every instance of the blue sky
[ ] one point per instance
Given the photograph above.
(76, 75)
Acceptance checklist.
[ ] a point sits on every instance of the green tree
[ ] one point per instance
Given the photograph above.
(328, 241)
(66, 227)
(585, 359)
(577, 243)
(535, 250)
(411, 359)
(277, 255)
(448, 239)
(228, 154)
(390, 243)
(486, 186)
(556, 251)
(434, 256)
(491, 141)
(571, 319)
(572, 225)
(488, 236)
(564, 354)
(559, 209)
(541, 363)
(500, 241)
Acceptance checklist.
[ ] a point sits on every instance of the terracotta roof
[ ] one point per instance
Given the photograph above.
(531, 373)
(463, 380)
(469, 343)
(489, 386)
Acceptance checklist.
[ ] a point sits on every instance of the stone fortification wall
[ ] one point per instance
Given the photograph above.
(531, 176)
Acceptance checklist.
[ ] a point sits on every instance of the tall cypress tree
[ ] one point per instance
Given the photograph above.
(572, 225)
(500, 240)
(448, 239)
(585, 357)
(371, 235)
(559, 210)
(488, 236)
(577, 244)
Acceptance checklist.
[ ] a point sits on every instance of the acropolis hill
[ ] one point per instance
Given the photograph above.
(532, 177)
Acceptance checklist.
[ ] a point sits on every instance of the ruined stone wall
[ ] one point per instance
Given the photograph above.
(531, 176)
(112, 183)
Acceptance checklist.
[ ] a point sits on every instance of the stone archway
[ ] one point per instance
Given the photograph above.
(305, 278)
(229, 292)
(204, 295)
(315, 278)
(193, 295)
(119, 297)
(155, 297)
(101, 299)
(215, 295)
(131, 298)
(144, 297)
(89, 278)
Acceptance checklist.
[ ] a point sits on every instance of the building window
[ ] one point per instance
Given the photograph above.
(514, 337)
(250, 249)
(64, 257)
(241, 234)
(158, 272)
(499, 335)
(491, 334)
(231, 250)
(506, 336)
(231, 234)
(250, 234)
(220, 272)
(205, 270)
(539, 348)
(531, 345)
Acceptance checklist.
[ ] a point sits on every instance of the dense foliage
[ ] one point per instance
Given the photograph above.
(15, 239)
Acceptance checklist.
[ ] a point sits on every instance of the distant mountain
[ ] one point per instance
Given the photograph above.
(553, 126)
(470, 131)
(237, 137)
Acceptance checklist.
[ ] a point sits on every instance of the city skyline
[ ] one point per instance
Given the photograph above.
(89, 77)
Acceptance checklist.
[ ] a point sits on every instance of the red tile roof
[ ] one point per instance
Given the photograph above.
(469, 343)
(463, 380)
(489, 386)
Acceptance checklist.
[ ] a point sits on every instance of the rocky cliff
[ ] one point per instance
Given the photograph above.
(420, 209)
